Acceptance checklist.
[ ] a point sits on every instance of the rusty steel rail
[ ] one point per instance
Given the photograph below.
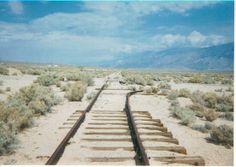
(141, 156)
(61, 147)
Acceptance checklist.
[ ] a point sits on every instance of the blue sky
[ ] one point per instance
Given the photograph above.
(86, 33)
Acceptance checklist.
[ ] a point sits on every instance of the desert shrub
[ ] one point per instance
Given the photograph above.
(17, 115)
(76, 91)
(209, 126)
(224, 108)
(15, 74)
(186, 115)
(219, 90)
(172, 95)
(210, 99)
(91, 95)
(163, 92)
(1, 82)
(228, 116)
(196, 97)
(8, 89)
(222, 135)
(210, 115)
(139, 80)
(164, 85)
(149, 82)
(1, 91)
(227, 82)
(58, 84)
(87, 79)
(7, 138)
(225, 104)
(4, 71)
(133, 88)
(198, 109)
(65, 88)
(174, 103)
(230, 89)
(184, 93)
(195, 79)
(200, 128)
(47, 79)
(73, 76)
(37, 98)
(152, 90)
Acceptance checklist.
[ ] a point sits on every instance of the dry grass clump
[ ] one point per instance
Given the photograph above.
(76, 91)
(186, 115)
(1, 82)
(222, 134)
(4, 70)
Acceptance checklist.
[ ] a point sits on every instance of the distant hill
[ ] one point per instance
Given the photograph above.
(220, 57)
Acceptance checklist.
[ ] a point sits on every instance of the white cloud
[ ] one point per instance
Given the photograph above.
(196, 38)
(139, 8)
(16, 7)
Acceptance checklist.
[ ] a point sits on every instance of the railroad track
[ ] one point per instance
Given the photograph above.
(113, 134)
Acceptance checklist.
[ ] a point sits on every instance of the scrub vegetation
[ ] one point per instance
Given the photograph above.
(18, 111)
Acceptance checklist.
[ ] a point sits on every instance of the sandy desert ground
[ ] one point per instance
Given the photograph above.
(36, 144)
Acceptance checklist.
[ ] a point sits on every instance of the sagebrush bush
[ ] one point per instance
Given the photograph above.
(222, 135)
(48, 79)
(200, 128)
(196, 97)
(186, 115)
(184, 93)
(7, 138)
(65, 88)
(87, 79)
(4, 71)
(210, 99)
(8, 89)
(172, 95)
(91, 95)
(152, 90)
(164, 85)
(17, 112)
(198, 109)
(210, 115)
(195, 79)
(1, 82)
(174, 103)
(225, 103)
(229, 116)
(76, 91)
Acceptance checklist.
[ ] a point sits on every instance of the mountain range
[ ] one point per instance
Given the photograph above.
(219, 57)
